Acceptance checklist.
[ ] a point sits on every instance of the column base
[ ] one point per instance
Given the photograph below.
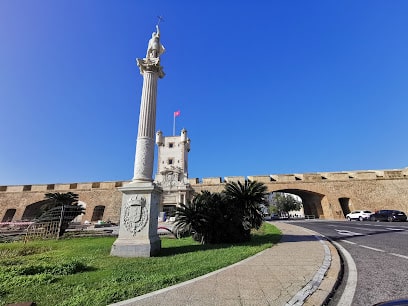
(132, 248)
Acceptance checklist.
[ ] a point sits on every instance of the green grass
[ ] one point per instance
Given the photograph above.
(80, 271)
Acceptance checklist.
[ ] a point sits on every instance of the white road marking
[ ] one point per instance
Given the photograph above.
(364, 229)
(350, 242)
(399, 255)
(394, 229)
(351, 284)
(370, 248)
(348, 233)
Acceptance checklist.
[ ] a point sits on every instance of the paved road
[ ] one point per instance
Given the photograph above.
(380, 252)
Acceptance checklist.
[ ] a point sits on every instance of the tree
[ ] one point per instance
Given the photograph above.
(59, 199)
(248, 198)
(286, 202)
(203, 217)
(191, 218)
(62, 207)
(228, 216)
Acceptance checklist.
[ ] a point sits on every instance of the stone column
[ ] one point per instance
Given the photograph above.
(141, 198)
(143, 170)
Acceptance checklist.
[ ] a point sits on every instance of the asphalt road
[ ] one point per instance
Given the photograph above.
(380, 253)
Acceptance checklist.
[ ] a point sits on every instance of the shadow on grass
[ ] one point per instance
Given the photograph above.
(256, 240)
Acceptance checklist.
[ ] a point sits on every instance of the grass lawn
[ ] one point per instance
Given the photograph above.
(80, 271)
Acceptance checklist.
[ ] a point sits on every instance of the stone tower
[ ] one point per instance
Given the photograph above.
(172, 170)
(141, 198)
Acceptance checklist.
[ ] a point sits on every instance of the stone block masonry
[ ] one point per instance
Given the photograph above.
(327, 195)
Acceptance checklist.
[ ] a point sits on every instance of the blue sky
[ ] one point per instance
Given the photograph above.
(264, 87)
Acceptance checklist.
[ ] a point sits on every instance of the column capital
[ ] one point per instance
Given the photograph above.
(150, 65)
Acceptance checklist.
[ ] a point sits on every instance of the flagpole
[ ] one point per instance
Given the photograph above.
(175, 114)
(174, 124)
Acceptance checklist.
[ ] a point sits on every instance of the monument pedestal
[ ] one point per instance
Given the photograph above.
(138, 228)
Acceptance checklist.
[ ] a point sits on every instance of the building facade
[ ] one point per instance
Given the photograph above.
(172, 171)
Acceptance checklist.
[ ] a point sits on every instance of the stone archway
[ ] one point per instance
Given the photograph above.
(311, 201)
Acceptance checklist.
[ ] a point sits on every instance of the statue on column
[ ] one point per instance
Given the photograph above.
(155, 48)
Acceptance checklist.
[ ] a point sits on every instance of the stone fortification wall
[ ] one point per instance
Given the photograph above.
(321, 193)
(92, 194)
(324, 192)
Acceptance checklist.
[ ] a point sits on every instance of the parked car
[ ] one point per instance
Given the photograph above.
(388, 215)
(359, 215)
(274, 217)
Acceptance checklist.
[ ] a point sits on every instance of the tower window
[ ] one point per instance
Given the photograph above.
(171, 145)
(170, 161)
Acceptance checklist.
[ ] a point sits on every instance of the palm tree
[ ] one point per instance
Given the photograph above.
(228, 216)
(191, 218)
(62, 207)
(59, 199)
(201, 217)
(247, 198)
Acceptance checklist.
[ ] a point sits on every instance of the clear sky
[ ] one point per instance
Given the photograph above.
(264, 87)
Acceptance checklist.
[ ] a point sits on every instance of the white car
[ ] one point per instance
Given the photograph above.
(359, 215)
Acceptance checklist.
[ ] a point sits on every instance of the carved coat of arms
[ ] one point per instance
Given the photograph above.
(170, 179)
(135, 214)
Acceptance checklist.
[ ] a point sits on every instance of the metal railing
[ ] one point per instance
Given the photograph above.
(310, 217)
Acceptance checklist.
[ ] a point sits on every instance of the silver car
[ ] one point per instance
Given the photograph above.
(359, 215)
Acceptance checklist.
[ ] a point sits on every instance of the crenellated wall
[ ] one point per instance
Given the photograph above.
(324, 193)
(92, 194)
(328, 195)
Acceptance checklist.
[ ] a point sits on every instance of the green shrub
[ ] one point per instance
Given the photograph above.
(62, 268)
(226, 217)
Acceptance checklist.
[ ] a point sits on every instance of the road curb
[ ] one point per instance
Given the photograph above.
(330, 281)
(326, 280)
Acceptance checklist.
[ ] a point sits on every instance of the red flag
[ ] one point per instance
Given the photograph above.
(177, 113)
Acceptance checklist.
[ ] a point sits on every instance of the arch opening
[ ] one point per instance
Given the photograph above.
(9, 215)
(98, 213)
(311, 201)
(345, 205)
(78, 219)
(274, 198)
(35, 210)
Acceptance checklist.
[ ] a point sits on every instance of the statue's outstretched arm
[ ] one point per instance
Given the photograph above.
(157, 30)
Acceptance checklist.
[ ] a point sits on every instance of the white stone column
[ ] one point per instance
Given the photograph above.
(144, 159)
(141, 198)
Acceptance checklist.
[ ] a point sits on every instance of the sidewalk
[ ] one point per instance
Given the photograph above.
(301, 270)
